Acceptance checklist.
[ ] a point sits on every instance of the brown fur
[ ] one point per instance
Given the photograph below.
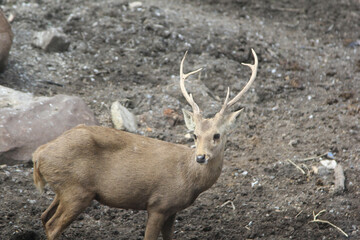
(122, 170)
(6, 37)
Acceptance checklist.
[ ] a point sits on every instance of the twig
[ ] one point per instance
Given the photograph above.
(232, 204)
(273, 54)
(308, 170)
(303, 172)
(308, 48)
(312, 158)
(324, 221)
(297, 10)
(298, 214)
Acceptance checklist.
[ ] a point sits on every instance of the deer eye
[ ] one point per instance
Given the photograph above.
(194, 136)
(216, 136)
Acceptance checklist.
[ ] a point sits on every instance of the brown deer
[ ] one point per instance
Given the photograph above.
(125, 170)
(6, 37)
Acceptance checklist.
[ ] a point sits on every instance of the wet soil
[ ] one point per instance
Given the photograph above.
(305, 102)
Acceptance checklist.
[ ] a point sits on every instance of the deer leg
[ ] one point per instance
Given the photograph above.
(168, 228)
(154, 225)
(49, 212)
(70, 206)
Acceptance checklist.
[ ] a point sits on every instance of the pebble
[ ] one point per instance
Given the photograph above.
(293, 142)
(134, 5)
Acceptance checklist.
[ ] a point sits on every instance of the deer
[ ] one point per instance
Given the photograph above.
(6, 38)
(129, 171)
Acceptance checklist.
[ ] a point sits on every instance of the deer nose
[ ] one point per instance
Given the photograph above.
(200, 158)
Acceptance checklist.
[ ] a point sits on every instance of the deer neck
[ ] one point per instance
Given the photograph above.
(203, 176)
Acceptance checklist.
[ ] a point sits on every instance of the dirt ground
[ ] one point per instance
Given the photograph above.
(305, 102)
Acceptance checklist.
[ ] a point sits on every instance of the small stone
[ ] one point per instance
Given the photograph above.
(330, 164)
(323, 171)
(339, 179)
(330, 155)
(293, 142)
(188, 136)
(122, 118)
(134, 5)
(31, 201)
(51, 40)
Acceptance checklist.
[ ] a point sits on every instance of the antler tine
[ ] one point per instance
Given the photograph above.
(225, 102)
(253, 67)
(183, 76)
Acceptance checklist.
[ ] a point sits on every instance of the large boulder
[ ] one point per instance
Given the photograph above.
(6, 37)
(26, 122)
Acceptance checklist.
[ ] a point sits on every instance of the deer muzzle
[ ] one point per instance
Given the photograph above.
(202, 159)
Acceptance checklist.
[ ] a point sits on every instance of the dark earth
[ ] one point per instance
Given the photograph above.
(305, 103)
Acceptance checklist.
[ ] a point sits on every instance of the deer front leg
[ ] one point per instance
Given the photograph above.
(168, 228)
(154, 225)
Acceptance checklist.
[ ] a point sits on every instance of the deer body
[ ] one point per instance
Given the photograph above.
(129, 171)
(110, 157)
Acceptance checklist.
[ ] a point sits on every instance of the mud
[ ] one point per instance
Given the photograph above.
(304, 103)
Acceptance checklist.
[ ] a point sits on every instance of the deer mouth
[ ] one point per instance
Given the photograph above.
(205, 161)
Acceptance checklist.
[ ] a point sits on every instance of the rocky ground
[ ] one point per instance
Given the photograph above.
(304, 107)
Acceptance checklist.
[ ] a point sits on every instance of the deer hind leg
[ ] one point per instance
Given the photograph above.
(168, 228)
(154, 225)
(49, 212)
(71, 204)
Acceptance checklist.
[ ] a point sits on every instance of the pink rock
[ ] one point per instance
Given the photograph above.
(27, 122)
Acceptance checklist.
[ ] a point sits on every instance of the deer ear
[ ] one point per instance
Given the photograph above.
(189, 119)
(231, 118)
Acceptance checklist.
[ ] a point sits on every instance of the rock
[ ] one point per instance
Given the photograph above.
(330, 164)
(26, 122)
(330, 155)
(339, 179)
(323, 171)
(293, 142)
(6, 37)
(51, 40)
(11, 98)
(135, 5)
(188, 136)
(122, 118)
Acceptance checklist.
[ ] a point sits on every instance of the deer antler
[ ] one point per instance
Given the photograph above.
(188, 97)
(227, 103)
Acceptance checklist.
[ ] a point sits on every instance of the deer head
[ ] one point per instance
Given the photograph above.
(210, 133)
